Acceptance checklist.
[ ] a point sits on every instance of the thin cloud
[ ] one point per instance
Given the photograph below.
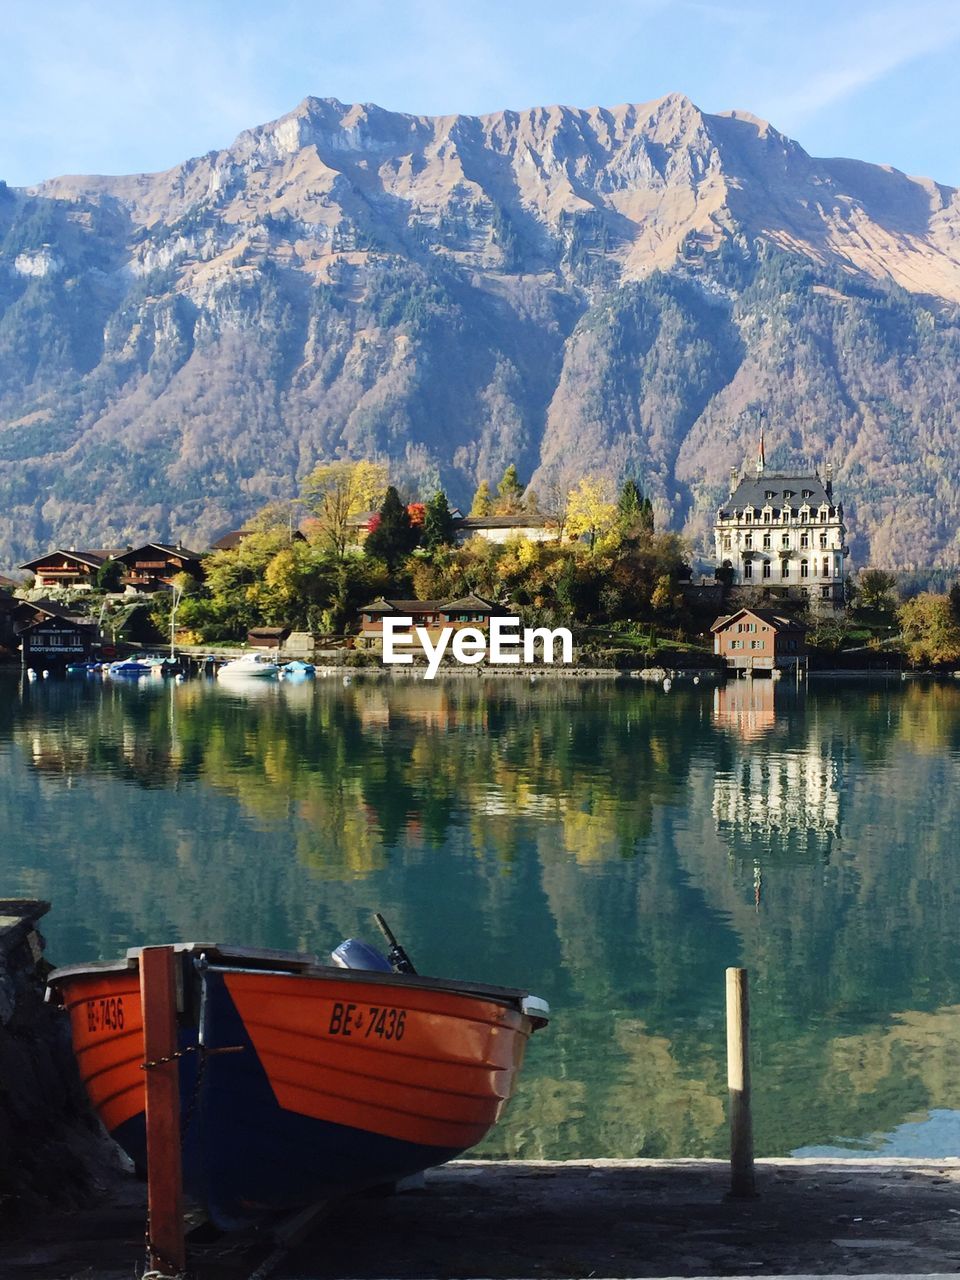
(872, 46)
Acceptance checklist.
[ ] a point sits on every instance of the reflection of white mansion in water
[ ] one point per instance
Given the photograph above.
(772, 794)
(779, 793)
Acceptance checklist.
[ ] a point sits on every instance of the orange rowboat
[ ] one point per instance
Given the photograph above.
(300, 1080)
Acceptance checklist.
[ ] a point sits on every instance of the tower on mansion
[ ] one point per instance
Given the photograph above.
(783, 534)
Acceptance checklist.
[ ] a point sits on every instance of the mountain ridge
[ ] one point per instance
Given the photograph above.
(568, 288)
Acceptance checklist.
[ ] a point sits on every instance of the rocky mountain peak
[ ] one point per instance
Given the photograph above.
(603, 288)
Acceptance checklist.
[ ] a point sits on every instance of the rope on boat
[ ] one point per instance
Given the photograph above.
(191, 1048)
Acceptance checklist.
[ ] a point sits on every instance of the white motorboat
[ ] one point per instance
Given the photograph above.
(251, 664)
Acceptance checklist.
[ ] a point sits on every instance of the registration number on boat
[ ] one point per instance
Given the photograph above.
(367, 1021)
(105, 1015)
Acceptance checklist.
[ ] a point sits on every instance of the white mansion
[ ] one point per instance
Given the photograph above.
(784, 534)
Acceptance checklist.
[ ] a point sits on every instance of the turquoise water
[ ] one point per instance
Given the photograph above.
(611, 849)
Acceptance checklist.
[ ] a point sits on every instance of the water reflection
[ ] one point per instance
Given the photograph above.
(615, 849)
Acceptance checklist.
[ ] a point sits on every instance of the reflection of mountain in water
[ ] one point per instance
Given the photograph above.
(781, 793)
(599, 844)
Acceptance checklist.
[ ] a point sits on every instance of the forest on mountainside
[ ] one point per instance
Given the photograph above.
(169, 365)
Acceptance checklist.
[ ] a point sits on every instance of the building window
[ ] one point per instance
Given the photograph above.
(766, 568)
(784, 568)
(826, 567)
(804, 541)
(807, 493)
(767, 515)
(766, 542)
(804, 569)
(748, 569)
(726, 542)
(823, 542)
(785, 542)
(748, 516)
(748, 541)
(756, 644)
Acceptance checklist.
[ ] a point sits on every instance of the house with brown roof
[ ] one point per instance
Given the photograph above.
(48, 635)
(759, 640)
(231, 540)
(522, 524)
(155, 565)
(434, 615)
(69, 567)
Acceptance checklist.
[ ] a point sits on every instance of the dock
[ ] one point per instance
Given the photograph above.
(555, 1221)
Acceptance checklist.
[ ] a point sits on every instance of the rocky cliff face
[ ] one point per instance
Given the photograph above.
(616, 290)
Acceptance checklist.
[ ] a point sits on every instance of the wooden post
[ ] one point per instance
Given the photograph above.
(166, 1250)
(742, 1182)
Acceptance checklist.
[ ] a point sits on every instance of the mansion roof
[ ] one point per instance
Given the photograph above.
(779, 491)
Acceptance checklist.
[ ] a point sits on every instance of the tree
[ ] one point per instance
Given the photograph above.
(646, 516)
(437, 523)
(335, 491)
(955, 601)
(482, 504)
(589, 509)
(661, 597)
(629, 502)
(394, 537)
(929, 632)
(510, 492)
(109, 575)
(634, 511)
(874, 589)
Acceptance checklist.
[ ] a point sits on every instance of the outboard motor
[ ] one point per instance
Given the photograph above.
(353, 953)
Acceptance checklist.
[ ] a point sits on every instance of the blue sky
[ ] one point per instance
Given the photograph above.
(98, 86)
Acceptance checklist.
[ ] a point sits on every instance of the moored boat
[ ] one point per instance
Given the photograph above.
(128, 667)
(251, 664)
(297, 670)
(300, 1080)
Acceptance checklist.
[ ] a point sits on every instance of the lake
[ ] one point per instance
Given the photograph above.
(612, 849)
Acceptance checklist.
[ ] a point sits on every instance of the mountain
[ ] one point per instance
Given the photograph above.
(613, 290)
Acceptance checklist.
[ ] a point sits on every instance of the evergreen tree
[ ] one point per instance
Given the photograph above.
(482, 504)
(393, 537)
(510, 492)
(629, 502)
(646, 516)
(437, 523)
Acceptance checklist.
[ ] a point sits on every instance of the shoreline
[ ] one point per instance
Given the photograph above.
(556, 1220)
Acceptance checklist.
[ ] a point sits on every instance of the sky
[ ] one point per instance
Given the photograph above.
(99, 86)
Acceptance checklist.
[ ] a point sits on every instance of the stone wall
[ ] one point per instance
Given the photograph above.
(53, 1151)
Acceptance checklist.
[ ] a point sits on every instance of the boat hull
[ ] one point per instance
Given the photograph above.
(309, 1084)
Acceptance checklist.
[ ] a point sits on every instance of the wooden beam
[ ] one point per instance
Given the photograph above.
(166, 1251)
(742, 1181)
